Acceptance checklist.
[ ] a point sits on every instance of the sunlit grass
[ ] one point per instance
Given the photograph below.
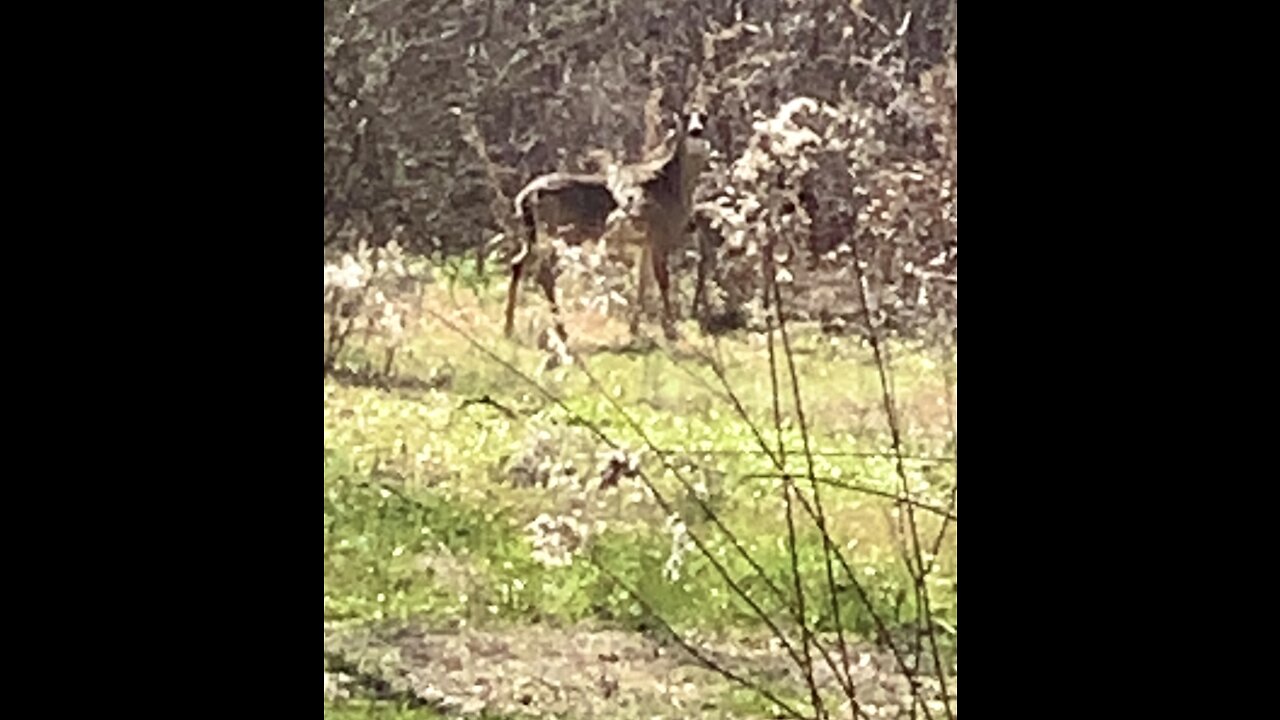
(426, 503)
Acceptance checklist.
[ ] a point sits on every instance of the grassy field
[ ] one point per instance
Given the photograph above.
(488, 515)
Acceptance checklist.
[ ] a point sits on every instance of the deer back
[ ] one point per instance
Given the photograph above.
(574, 206)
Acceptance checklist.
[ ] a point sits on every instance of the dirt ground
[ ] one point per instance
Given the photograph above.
(594, 673)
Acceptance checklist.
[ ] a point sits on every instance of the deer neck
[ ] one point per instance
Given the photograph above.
(679, 177)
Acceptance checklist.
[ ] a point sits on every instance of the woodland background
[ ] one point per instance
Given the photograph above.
(437, 111)
(756, 521)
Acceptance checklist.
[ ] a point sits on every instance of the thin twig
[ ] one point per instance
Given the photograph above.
(693, 651)
(711, 515)
(788, 489)
(918, 570)
(817, 498)
(882, 630)
(936, 510)
(657, 494)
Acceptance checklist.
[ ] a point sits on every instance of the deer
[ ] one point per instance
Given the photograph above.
(647, 205)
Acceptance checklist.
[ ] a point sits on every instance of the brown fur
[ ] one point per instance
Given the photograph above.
(654, 216)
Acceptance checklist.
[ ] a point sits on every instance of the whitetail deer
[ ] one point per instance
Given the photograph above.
(648, 205)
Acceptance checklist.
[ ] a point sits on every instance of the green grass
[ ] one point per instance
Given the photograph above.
(425, 512)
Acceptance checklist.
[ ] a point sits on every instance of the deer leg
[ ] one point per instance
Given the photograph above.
(701, 302)
(664, 289)
(547, 279)
(642, 293)
(517, 270)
